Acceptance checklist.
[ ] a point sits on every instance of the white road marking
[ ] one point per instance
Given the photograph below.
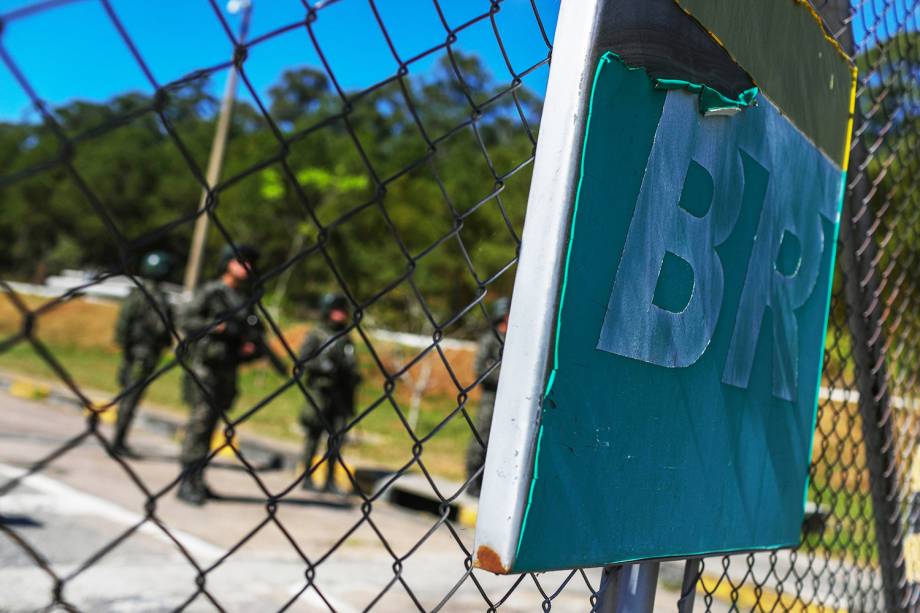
(64, 500)
(61, 499)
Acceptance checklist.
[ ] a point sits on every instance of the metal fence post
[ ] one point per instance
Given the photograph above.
(860, 257)
(688, 585)
(215, 163)
(860, 253)
(628, 589)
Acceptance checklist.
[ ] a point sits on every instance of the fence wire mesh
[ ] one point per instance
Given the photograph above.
(392, 168)
(860, 553)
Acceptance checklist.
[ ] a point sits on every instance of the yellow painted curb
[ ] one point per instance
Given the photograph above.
(319, 474)
(29, 390)
(108, 416)
(750, 598)
(912, 557)
(466, 515)
(915, 471)
(219, 440)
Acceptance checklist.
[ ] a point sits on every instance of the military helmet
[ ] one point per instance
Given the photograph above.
(247, 253)
(330, 302)
(156, 265)
(500, 309)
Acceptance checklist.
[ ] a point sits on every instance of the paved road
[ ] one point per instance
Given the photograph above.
(82, 502)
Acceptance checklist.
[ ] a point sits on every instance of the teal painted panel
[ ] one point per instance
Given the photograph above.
(679, 415)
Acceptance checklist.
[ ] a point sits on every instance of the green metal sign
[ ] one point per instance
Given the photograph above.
(680, 387)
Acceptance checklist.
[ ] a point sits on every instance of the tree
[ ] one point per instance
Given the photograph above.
(405, 183)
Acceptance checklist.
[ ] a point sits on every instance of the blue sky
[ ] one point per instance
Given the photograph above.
(882, 19)
(73, 51)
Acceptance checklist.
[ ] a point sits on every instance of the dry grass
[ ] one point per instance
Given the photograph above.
(79, 323)
(80, 335)
(89, 324)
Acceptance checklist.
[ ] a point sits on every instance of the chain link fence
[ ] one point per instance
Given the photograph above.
(862, 557)
(395, 172)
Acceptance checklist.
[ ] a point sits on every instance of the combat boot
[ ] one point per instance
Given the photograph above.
(121, 449)
(192, 489)
(330, 486)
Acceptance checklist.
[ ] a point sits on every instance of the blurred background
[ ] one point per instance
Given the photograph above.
(381, 150)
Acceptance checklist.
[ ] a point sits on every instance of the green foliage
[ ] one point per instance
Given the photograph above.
(66, 253)
(399, 186)
(890, 108)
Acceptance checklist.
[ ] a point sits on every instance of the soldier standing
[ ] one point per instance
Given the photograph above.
(225, 332)
(142, 332)
(331, 372)
(489, 354)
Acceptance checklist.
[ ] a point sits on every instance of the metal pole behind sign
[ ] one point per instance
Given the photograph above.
(866, 327)
(862, 278)
(688, 586)
(215, 162)
(628, 589)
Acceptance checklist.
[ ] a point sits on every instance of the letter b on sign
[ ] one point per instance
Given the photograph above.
(634, 326)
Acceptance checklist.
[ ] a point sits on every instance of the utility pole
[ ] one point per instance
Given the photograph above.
(216, 159)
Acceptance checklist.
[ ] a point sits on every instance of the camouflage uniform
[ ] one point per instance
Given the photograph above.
(143, 335)
(332, 377)
(490, 352)
(214, 358)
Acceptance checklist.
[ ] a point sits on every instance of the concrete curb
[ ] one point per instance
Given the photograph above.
(413, 491)
(274, 454)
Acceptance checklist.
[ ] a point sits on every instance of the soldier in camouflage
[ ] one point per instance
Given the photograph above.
(490, 353)
(224, 332)
(331, 374)
(142, 332)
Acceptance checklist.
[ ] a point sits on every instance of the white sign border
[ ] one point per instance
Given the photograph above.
(528, 344)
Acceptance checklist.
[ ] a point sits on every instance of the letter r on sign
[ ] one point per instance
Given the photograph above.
(634, 326)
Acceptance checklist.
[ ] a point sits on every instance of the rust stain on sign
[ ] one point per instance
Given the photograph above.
(487, 559)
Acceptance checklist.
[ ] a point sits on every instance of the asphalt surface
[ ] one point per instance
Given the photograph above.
(86, 517)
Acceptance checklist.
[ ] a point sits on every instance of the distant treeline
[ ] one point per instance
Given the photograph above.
(394, 193)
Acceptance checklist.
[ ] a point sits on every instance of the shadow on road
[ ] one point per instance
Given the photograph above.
(19, 521)
(305, 502)
(168, 458)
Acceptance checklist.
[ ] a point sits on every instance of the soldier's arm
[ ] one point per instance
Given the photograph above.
(252, 337)
(126, 317)
(351, 367)
(489, 353)
(318, 364)
(309, 346)
(164, 319)
(256, 336)
(169, 313)
(196, 316)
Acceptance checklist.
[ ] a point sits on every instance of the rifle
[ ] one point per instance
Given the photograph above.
(254, 332)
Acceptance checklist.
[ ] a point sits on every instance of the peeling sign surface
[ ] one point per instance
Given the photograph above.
(678, 409)
(684, 344)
